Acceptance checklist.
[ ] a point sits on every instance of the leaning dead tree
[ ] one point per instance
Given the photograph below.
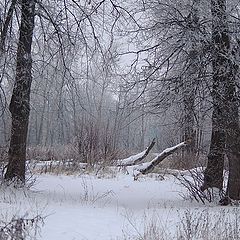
(148, 167)
(133, 160)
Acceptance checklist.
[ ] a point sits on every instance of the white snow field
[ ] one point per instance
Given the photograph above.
(87, 207)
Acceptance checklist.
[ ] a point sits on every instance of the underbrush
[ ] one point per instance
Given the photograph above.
(222, 224)
(21, 228)
(21, 215)
(71, 152)
(67, 160)
(69, 167)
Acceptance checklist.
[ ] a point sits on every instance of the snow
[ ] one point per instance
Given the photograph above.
(98, 208)
(89, 207)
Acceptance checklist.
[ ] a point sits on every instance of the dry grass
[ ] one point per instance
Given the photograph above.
(204, 224)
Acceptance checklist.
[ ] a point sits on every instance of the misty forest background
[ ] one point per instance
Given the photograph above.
(108, 77)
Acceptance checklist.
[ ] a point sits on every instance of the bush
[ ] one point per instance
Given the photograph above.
(21, 228)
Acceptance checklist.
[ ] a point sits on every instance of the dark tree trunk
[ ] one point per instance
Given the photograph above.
(20, 101)
(225, 71)
(232, 136)
(226, 130)
(213, 175)
(233, 153)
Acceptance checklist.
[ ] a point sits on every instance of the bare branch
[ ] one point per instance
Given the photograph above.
(6, 25)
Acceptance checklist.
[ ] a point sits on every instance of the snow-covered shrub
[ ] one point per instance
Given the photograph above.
(188, 224)
(221, 225)
(67, 158)
(56, 153)
(21, 228)
(192, 180)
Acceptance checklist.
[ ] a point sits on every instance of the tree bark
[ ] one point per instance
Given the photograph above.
(232, 136)
(226, 129)
(225, 71)
(213, 174)
(20, 101)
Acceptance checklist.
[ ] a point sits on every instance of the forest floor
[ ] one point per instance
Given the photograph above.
(115, 207)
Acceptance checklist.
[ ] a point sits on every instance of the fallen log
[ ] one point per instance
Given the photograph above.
(149, 166)
(134, 159)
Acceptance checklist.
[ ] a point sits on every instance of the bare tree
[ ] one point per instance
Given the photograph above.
(20, 101)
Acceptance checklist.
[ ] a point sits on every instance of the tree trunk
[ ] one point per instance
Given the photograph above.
(20, 101)
(220, 44)
(213, 175)
(232, 136)
(225, 108)
(225, 72)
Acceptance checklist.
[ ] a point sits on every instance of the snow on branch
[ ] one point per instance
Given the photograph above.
(134, 159)
(149, 166)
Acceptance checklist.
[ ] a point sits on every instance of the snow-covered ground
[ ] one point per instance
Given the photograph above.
(87, 207)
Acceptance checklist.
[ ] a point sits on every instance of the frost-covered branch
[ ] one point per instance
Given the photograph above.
(134, 159)
(149, 166)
